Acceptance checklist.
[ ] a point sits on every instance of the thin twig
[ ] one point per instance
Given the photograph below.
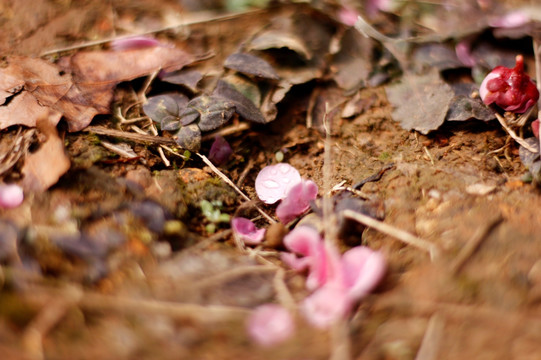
(341, 340)
(98, 302)
(404, 236)
(141, 138)
(430, 157)
(328, 214)
(206, 18)
(230, 183)
(245, 172)
(515, 137)
(537, 55)
(233, 274)
(282, 292)
(225, 131)
(473, 244)
(50, 314)
(431, 340)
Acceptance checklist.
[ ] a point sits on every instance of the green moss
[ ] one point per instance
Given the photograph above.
(384, 156)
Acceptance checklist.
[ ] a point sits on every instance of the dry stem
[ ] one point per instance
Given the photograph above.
(399, 234)
(473, 244)
(512, 133)
(230, 183)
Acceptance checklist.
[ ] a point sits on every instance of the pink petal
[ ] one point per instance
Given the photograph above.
(510, 20)
(274, 181)
(325, 267)
(11, 196)
(297, 201)
(363, 269)
(247, 231)
(348, 16)
(270, 324)
(483, 90)
(134, 42)
(294, 262)
(302, 240)
(463, 53)
(326, 305)
(322, 261)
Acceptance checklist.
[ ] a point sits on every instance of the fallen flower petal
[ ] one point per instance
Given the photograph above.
(220, 151)
(363, 268)
(274, 181)
(510, 89)
(510, 20)
(302, 240)
(322, 260)
(463, 53)
(11, 196)
(134, 42)
(297, 201)
(347, 15)
(270, 324)
(326, 305)
(247, 231)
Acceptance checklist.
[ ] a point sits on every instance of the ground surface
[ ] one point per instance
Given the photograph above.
(113, 260)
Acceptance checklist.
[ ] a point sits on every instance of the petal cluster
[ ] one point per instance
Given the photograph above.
(510, 89)
(337, 281)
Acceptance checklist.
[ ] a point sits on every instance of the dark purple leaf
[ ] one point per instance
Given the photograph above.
(165, 109)
(251, 65)
(464, 108)
(244, 106)
(420, 102)
(220, 151)
(187, 78)
(189, 137)
(213, 111)
(527, 157)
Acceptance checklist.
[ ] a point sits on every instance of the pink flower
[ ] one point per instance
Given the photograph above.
(11, 196)
(297, 201)
(247, 231)
(270, 324)
(338, 281)
(274, 181)
(510, 89)
(535, 128)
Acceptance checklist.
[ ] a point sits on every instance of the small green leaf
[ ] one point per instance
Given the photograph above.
(206, 206)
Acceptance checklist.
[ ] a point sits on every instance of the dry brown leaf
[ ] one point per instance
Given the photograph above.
(24, 109)
(420, 101)
(96, 73)
(43, 168)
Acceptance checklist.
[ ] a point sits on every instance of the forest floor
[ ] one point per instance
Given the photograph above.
(113, 258)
